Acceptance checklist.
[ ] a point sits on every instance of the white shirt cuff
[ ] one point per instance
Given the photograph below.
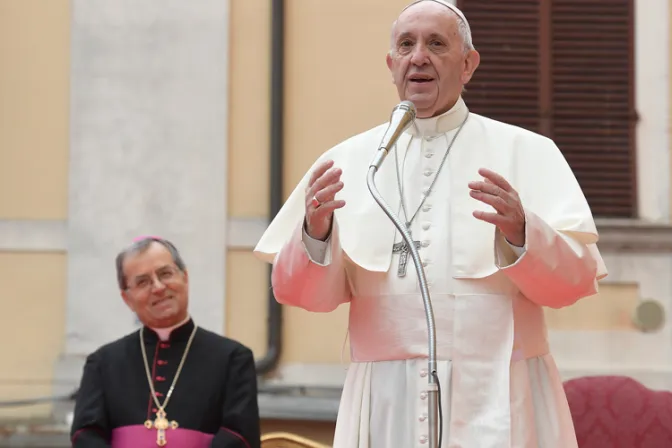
(516, 249)
(318, 251)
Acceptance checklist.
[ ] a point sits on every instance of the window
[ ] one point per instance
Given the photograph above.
(564, 69)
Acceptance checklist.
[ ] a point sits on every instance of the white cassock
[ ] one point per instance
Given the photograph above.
(499, 384)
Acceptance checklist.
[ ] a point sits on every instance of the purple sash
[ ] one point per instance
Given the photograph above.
(137, 436)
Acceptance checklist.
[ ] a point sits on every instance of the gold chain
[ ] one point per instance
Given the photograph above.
(177, 374)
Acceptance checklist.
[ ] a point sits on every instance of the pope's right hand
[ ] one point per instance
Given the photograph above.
(324, 183)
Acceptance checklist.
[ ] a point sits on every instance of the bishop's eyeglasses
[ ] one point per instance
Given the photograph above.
(164, 275)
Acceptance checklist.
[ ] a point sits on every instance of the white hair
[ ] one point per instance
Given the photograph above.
(463, 28)
(465, 33)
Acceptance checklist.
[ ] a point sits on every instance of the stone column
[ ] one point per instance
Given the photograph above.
(149, 81)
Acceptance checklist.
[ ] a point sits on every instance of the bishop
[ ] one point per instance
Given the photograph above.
(170, 383)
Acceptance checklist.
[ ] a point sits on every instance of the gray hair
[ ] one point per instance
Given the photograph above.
(463, 28)
(140, 246)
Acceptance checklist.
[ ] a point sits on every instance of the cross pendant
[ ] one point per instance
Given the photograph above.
(403, 250)
(161, 423)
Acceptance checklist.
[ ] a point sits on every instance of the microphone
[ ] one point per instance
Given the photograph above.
(401, 118)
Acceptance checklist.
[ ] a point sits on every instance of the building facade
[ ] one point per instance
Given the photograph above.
(118, 119)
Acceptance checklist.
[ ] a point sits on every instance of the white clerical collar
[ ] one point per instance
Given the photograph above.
(164, 333)
(452, 119)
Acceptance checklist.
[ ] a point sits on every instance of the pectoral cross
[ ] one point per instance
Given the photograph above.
(403, 250)
(161, 423)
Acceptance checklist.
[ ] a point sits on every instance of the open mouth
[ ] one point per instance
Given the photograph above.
(420, 78)
(160, 301)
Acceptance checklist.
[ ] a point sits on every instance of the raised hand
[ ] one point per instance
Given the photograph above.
(324, 183)
(495, 191)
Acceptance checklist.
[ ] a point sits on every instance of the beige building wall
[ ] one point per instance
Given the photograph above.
(249, 124)
(34, 56)
(337, 85)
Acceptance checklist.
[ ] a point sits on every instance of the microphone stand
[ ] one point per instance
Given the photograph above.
(433, 383)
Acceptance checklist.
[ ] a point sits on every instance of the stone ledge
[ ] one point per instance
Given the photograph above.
(307, 408)
(633, 236)
(34, 435)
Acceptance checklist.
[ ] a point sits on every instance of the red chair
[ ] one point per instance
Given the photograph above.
(619, 412)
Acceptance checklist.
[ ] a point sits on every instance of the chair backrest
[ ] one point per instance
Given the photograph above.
(617, 411)
(288, 440)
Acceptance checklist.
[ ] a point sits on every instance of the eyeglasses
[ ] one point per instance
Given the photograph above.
(165, 275)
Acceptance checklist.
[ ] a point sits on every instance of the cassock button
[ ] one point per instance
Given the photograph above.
(425, 243)
(429, 155)
(425, 191)
(423, 395)
(425, 263)
(426, 208)
(423, 417)
(160, 378)
(423, 439)
(162, 362)
(164, 345)
(423, 373)
(425, 226)
(428, 173)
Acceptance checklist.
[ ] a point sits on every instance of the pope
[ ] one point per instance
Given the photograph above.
(503, 230)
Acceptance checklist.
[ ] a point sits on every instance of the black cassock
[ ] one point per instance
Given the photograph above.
(214, 401)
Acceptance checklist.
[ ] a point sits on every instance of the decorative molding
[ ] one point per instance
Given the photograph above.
(308, 375)
(51, 235)
(244, 233)
(631, 236)
(620, 236)
(284, 406)
(33, 235)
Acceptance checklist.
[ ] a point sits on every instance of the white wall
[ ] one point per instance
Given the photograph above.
(652, 97)
(148, 155)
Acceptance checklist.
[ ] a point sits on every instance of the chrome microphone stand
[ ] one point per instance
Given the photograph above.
(433, 383)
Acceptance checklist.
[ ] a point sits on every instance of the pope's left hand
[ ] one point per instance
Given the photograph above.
(498, 193)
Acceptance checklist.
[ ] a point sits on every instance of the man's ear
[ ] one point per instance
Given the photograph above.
(471, 63)
(127, 300)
